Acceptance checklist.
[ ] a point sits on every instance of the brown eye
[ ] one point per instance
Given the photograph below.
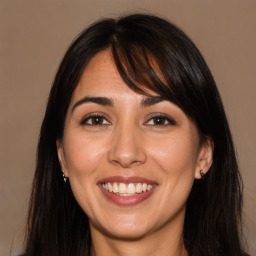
(160, 121)
(95, 120)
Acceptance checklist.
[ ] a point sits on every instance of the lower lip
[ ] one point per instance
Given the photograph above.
(127, 200)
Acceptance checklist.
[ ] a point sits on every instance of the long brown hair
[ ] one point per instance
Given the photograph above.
(56, 223)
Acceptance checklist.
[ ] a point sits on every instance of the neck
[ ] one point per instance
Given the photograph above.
(162, 242)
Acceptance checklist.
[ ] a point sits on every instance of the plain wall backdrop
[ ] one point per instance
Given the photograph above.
(33, 38)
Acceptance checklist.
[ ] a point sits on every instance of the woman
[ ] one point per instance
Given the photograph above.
(135, 155)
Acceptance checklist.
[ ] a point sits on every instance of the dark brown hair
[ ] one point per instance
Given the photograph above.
(151, 53)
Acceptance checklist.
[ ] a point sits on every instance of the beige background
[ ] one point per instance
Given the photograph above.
(34, 37)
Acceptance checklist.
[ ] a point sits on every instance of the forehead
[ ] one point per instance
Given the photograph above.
(101, 77)
(101, 62)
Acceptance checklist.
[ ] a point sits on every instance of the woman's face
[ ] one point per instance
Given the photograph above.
(131, 159)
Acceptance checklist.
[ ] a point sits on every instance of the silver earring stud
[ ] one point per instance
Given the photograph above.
(64, 177)
(202, 174)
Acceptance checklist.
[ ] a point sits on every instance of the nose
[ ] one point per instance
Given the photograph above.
(127, 148)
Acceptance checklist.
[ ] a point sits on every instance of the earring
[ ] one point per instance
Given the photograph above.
(202, 174)
(64, 177)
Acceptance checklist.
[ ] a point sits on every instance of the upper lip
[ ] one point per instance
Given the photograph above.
(126, 180)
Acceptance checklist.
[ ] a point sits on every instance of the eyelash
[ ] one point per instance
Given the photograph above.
(167, 120)
(94, 116)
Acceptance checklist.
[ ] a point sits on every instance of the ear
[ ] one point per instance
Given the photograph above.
(61, 157)
(205, 157)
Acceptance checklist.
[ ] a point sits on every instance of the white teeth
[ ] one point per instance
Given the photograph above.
(144, 187)
(110, 189)
(115, 188)
(130, 189)
(122, 188)
(138, 188)
(149, 187)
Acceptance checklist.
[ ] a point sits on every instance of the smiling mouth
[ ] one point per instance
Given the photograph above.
(127, 189)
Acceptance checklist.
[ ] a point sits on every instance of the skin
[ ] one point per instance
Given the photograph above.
(128, 141)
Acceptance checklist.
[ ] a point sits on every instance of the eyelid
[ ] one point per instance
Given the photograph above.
(85, 118)
(151, 116)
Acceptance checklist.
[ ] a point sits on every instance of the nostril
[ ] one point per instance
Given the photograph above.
(127, 160)
(125, 163)
(126, 148)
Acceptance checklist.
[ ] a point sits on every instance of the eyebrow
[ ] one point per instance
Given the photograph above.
(104, 101)
(149, 101)
(98, 100)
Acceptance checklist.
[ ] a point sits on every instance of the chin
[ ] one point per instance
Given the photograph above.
(134, 233)
(124, 230)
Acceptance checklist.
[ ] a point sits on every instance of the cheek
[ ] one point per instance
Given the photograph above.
(83, 154)
(176, 156)
(176, 161)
